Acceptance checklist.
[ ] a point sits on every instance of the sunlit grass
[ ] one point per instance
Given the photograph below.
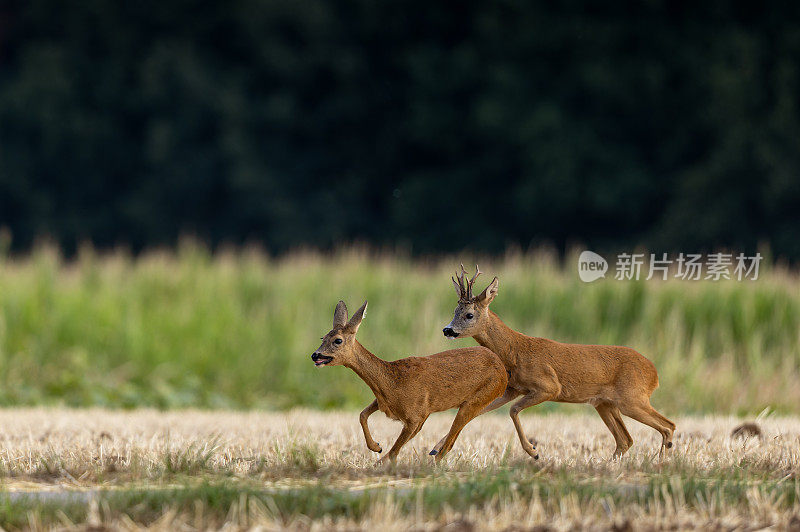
(235, 329)
(309, 469)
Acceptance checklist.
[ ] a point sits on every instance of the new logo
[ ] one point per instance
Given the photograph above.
(591, 266)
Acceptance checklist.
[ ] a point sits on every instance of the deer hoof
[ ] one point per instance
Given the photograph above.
(433, 452)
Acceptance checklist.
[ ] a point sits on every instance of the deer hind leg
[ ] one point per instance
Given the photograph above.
(372, 445)
(618, 418)
(617, 428)
(532, 399)
(667, 442)
(644, 413)
(508, 396)
(466, 413)
(409, 431)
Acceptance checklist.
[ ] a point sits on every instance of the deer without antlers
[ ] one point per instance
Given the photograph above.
(412, 388)
(615, 380)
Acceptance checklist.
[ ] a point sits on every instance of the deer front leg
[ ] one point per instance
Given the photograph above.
(509, 395)
(409, 431)
(372, 445)
(532, 399)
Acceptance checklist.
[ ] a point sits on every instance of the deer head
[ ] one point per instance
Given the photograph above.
(472, 312)
(337, 346)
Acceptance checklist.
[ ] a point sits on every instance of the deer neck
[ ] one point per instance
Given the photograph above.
(500, 338)
(371, 369)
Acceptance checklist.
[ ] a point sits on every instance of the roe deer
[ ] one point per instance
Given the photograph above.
(615, 380)
(410, 389)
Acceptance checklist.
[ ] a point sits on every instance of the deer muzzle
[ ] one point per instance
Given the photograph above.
(449, 332)
(320, 359)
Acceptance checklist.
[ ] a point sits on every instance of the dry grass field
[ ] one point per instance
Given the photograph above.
(311, 470)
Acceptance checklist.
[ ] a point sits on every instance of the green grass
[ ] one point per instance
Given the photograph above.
(223, 500)
(236, 329)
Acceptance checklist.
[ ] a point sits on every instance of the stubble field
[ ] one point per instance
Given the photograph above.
(311, 470)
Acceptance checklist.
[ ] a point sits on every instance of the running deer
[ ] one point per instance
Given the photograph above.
(411, 389)
(614, 380)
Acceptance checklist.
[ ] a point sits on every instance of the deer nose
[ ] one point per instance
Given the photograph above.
(448, 331)
(315, 357)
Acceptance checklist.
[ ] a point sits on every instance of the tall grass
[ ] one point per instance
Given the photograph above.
(236, 328)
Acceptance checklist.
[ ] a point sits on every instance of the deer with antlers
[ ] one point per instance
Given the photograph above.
(412, 388)
(615, 380)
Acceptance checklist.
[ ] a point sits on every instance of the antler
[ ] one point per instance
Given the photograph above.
(458, 286)
(460, 283)
(472, 281)
(465, 286)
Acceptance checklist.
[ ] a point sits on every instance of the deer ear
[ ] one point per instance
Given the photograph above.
(355, 321)
(488, 293)
(340, 315)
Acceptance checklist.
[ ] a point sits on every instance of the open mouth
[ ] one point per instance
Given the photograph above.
(321, 360)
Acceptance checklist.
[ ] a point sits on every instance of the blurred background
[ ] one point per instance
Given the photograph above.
(670, 125)
(187, 188)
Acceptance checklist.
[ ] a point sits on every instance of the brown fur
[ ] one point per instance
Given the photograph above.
(412, 388)
(615, 380)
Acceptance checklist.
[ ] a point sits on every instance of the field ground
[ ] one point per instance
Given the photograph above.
(303, 469)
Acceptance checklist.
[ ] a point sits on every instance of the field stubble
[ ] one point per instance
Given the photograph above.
(305, 469)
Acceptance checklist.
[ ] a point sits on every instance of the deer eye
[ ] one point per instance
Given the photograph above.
(337, 341)
(470, 315)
